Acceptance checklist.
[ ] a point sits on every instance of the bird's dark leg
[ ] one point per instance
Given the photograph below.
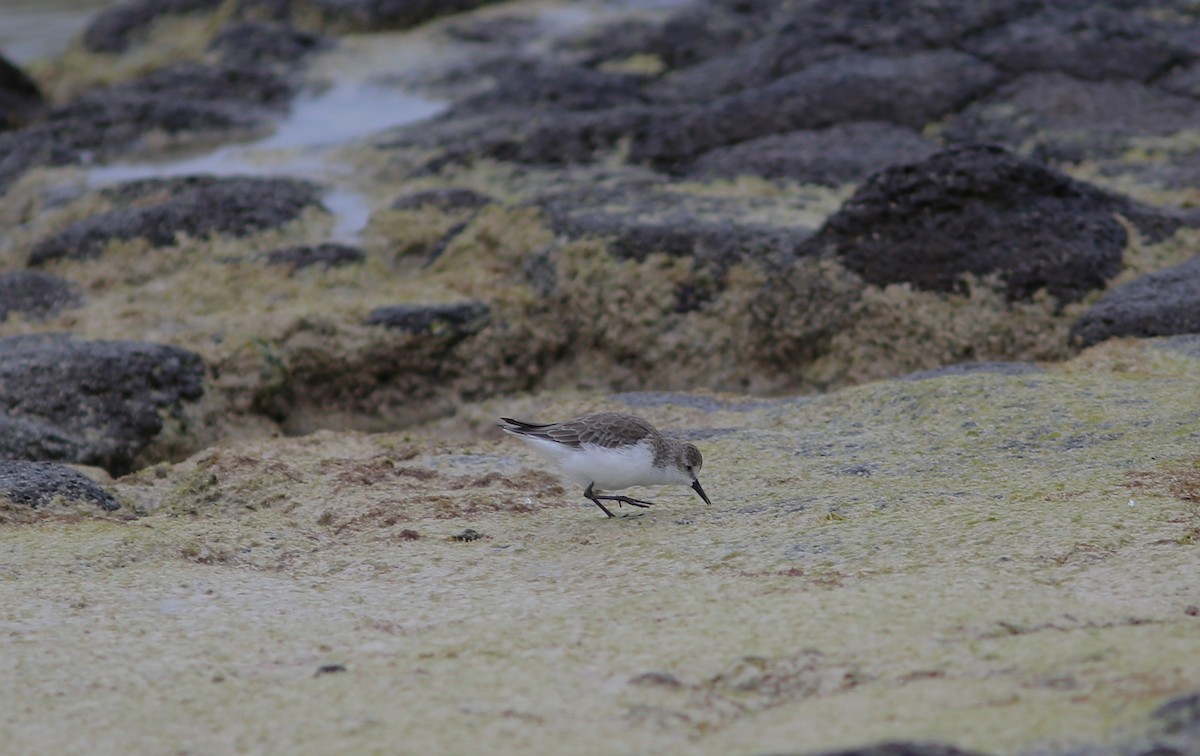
(596, 499)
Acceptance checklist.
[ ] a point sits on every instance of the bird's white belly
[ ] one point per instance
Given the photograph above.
(608, 469)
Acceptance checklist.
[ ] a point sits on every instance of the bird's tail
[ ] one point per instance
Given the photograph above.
(520, 426)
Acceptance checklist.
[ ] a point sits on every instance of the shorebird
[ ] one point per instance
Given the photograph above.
(609, 451)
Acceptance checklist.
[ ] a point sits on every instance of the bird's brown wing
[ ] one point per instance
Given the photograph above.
(601, 429)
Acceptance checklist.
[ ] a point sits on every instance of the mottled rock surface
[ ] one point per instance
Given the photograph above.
(982, 211)
(35, 295)
(92, 402)
(838, 155)
(1163, 303)
(248, 43)
(37, 484)
(327, 255)
(114, 29)
(455, 320)
(234, 206)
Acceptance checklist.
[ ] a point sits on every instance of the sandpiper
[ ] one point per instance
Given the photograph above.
(610, 451)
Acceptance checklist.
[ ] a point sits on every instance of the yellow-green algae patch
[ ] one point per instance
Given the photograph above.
(1000, 562)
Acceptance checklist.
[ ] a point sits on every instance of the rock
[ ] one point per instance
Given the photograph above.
(906, 90)
(29, 439)
(1093, 42)
(114, 29)
(381, 15)
(508, 31)
(37, 484)
(187, 97)
(639, 218)
(981, 210)
(327, 255)
(1184, 81)
(36, 295)
(20, 98)
(445, 200)
(247, 43)
(455, 320)
(1062, 118)
(91, 402)
(1163, 303)
(522, 83)
(837, 155)
(238, 206)
(901, 748)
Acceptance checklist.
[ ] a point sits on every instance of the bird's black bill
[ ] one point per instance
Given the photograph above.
(698, 489)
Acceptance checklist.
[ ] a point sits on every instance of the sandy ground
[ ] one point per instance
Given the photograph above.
(1001, 562)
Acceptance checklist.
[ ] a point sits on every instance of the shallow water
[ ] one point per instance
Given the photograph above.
(300, 146)
(35, 29)
(356, 90)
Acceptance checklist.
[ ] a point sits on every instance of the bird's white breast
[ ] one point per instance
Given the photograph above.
(609, 469)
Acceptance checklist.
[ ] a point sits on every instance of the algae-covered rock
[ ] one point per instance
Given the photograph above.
(236, 206)
(114, 29)
(1062, 118)
(841, 154)
(327, 255)
(35, 294)
(980, 210)
(249, 43)
(1162, 303)
(37, 484)
(92, 402)
(456, 320)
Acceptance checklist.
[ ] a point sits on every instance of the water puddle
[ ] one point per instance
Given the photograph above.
(300, 147)
(359, 101)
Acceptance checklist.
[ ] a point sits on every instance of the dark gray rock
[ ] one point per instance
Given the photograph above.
(837, 155)
(20, 98)
(101, 124)
(327, 255)
(639, 218)
(115, 29)
(91, 402)
(380, 15)
(506, 31)
(237, 206)
(907, 90)
(1163, 303)
(1061, 118)
(710, 29)
(521, 83)
(250, 43)
(452, 320)
(445, 200)
(36, 295)
(758, 44)
(1096, 42)
(30, 439)
(1184, 81)
(982, 210)
(901, 748)
(37, 484)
